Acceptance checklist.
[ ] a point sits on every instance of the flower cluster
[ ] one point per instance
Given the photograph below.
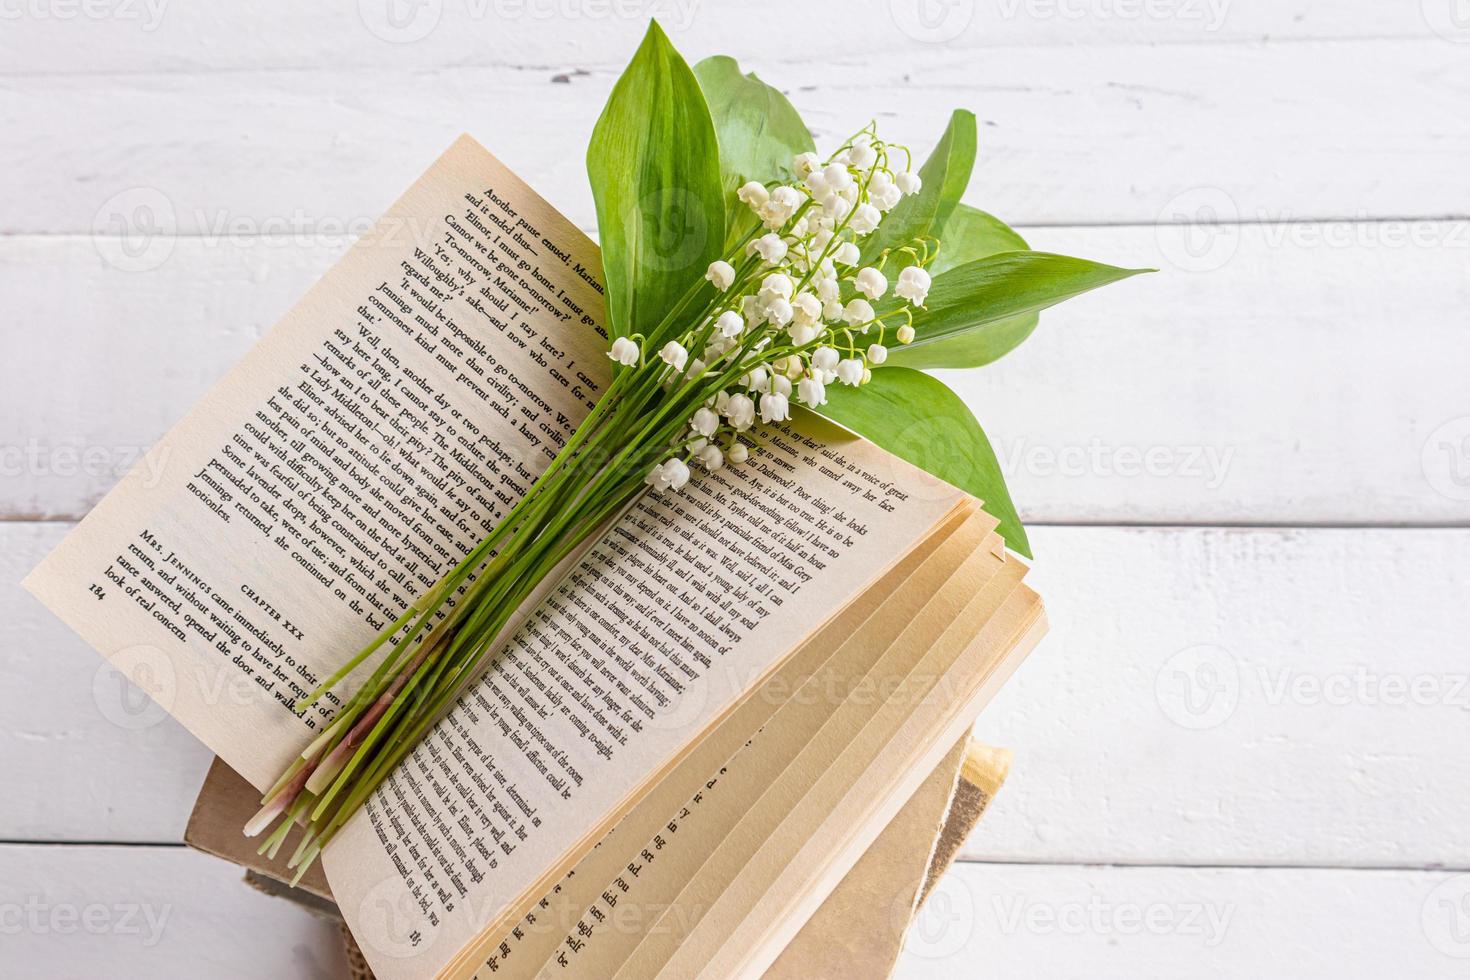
(794, 307)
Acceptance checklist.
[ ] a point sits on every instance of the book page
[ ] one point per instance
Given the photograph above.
(815, 727)
(830, 811)
(686, 603)
(583, 909)
(352, 457)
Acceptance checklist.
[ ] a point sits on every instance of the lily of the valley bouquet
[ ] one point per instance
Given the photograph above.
(748, 275)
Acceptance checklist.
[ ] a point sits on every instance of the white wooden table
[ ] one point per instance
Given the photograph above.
(1245, 748)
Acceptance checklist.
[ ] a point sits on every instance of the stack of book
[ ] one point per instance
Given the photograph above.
(691, 740)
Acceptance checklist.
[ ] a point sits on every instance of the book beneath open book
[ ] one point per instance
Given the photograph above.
(778, 655)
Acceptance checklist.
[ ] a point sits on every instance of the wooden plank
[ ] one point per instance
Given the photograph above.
(1307, 373)
(168, 912)
(1292, 768)
(1123, 923)
(1240, 696)
(152, 35)
(1113, 134)
(87, 756)
(156, 912)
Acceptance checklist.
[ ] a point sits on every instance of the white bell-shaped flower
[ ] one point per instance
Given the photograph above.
(804, 333)
(850, 371)
(885, 198)
(846, 254)
(808, 307)
(804, 163)
(779, 311)
(909, 183)
(674, 355)
(913, 285)
(862, 156)
(741, 412)
(857, 312)
(811, 392)
(777, 284)
(905, 334)
(624, 351)
(721, 273)
(871, 283)
(754, 194)
(711, 458)
(780, 207)
(772, 248)
(730, 324)
(837, 176)
(671, 474)
(865, 219)
(825, 359)
(774, 407)
(705, 422)
(758, 379)
(737, 453)
(877, 354)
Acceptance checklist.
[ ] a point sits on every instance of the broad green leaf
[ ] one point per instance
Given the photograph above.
(655, 172)
(759, 132)
(945, 176)
(978, 312)
(972, 234)
(917, 418)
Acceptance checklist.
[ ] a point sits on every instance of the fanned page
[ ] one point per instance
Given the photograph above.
(364, 445)
(592, 920)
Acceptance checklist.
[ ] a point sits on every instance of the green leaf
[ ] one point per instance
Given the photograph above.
(972, 234)
(979, 311)
(917, 418)
(654, 167)
(945, 176)
(758, 130)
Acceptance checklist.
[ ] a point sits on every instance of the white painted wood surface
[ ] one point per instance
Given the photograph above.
(1300, 373)
(1264, 723)
(1077, 135)
(154, 912)
(1251, 697)
(1087, 923)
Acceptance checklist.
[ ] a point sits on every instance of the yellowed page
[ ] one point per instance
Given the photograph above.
(359, 449)
(688, 602)
(920, 659)
(562, 915)
(854, 678)
(859, 929)
(819, 672)
(842, 809)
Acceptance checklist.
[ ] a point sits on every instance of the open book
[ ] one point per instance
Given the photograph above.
(781, 652)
